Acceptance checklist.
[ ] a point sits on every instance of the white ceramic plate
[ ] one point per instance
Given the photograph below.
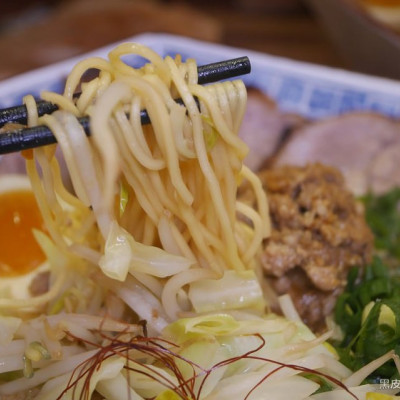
(311, 90)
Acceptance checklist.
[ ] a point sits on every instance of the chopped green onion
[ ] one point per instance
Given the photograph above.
(36, 352)
(28, 369)
(383, 216)
(168, 395)
(368, 313)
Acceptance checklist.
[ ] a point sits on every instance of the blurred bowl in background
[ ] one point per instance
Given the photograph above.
(385, 11)
(366, 32)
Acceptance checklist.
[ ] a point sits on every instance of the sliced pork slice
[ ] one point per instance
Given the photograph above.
(264, 127)
(384, 172)
(364, 146)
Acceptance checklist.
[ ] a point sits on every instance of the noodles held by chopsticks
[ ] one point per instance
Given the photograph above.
(176, 178)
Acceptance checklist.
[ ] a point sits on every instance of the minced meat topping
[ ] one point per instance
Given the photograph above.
(318, 233)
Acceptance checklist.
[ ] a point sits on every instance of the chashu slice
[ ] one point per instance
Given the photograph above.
(365, 147)
(264, 127)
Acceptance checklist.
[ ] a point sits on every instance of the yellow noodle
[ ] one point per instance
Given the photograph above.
(149, 232)
(151, 208)
(138, 135)
(61, 101)
(31, 110)
(220, 124)
(201, 151)
(61, 191)
(240, 95)
(80, 68)
(162, 129)
(87, 95)
(254, 245)
(48, 185)
(262, 203)
(184, 248)
(44, 208)
(158, 185)
(157, 64)
(223, 102)
(174, 284)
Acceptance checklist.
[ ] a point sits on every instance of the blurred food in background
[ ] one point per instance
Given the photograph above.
(356, 30)
(360, 35)
(75, 27)
(34, 33)
(385, 11)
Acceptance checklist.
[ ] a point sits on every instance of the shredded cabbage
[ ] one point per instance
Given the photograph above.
(123, 253)
(108, 369)
(222, 325)
(235, 290)
(209, 338)
(8, 327)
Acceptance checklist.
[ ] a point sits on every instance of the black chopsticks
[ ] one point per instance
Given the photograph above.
(206, 74)
(29, 138)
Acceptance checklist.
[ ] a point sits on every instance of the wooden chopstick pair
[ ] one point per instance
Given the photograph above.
(29, 138)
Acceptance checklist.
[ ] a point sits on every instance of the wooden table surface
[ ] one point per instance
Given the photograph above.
(46, 33)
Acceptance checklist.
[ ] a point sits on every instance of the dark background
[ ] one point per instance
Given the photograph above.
(34, 33)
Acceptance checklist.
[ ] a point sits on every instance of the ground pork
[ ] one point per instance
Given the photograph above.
(318, 233)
